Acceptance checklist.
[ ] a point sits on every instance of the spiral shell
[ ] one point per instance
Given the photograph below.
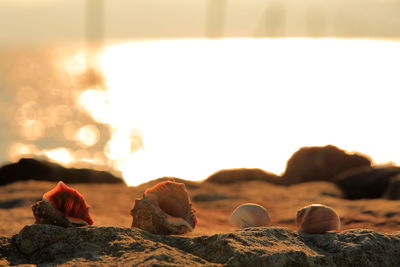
(164, 209)
(317, 219)
(250, 215)
(63, 206)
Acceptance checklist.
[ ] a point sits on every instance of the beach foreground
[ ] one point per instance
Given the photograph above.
(258, 246)
(369, 237)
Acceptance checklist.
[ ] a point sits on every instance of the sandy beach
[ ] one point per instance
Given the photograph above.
(111, 204)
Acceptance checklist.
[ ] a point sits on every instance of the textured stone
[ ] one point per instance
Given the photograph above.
(258, 246)
(97, 246)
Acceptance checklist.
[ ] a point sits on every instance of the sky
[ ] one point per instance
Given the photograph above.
(44, 21)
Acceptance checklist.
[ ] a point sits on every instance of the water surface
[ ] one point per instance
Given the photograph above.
(189, 107)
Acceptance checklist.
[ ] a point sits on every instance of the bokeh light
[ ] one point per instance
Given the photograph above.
(56, 114)
(95, 102)
(32, 131)
(60, 155)
(27, 113)
(70, 128)
(87, 135)
(75, 64)
(119, 146)
(20, 150)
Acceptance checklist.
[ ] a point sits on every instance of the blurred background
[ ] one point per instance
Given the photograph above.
(151, 88)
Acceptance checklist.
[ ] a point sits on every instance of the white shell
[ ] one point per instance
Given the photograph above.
(317, 219)
(250, 215)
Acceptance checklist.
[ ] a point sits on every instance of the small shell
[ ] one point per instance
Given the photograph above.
(63, 206)
(250, 215)
(164, 209)
(317, 219)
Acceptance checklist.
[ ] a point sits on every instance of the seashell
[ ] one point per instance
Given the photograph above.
(317, 219)
(164, 209)
(63, 206)
(250, 215)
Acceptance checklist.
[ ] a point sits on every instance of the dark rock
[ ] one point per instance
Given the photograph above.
(229, 176)
(33, 169)
(369, 182)
(320, 163)
(393, 190)
(259, 246)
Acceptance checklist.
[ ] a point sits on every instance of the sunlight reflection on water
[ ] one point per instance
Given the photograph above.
(187, 108)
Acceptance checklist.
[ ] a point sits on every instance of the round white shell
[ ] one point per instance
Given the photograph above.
(250, 215)
(317, 219)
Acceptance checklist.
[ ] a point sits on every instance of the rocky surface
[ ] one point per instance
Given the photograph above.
(41, 170)
(258, 246)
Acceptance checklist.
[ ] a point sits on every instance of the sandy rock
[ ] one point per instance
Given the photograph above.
(97, 245)
(320, 163)
(282, 247)
(258, 246)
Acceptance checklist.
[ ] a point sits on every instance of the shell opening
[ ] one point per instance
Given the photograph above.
(171, 198)
(171, 207)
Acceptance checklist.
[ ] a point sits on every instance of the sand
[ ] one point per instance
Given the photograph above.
(111, 204)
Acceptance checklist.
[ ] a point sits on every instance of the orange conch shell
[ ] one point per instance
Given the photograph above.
(62, 206)
(164, 209)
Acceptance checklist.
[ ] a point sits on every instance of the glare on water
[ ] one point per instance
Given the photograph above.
(187, 108)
